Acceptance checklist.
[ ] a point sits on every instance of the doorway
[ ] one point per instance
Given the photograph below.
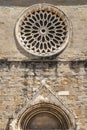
(45, 116)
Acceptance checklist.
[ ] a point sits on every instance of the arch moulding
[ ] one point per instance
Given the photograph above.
(28, 118)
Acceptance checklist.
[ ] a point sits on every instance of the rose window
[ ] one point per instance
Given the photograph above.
(42, 30)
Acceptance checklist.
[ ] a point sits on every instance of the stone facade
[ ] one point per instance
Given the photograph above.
(30, 80)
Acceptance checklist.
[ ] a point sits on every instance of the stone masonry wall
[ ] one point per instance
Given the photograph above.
(77, 15)
(20, 82)
(21, 76)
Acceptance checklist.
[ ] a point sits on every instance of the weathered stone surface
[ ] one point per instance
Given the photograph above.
(78, 19)
(22, 78)
(22, 83)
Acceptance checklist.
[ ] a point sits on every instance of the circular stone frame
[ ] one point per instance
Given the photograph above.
(42, 30)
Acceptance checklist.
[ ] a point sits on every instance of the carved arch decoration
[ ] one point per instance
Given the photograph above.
(43, 116)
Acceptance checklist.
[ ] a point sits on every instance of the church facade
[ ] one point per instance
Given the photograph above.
(43, 65)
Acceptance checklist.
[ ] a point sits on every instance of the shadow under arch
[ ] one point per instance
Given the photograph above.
(44, 116)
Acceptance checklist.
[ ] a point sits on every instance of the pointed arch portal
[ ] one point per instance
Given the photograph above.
(44, 116)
